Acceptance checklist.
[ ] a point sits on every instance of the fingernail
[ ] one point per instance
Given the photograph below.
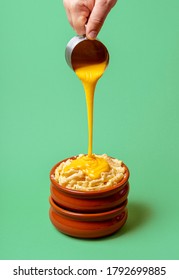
(92, 35)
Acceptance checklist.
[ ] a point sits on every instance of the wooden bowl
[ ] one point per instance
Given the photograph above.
(89, 201)
(87, 225)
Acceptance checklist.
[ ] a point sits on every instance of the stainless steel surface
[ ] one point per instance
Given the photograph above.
(70, 47)
(81, 51)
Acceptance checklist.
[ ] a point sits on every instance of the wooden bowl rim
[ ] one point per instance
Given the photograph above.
(73, 214)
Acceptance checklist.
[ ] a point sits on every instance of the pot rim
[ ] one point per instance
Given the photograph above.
(89, 193)
(84, 215)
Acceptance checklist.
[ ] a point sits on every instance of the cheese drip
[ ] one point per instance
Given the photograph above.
(90, 164)
(89, 75)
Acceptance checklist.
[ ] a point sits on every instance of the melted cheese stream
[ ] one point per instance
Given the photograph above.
(90, 164)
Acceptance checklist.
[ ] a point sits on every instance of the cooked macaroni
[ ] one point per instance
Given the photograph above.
(78, 180)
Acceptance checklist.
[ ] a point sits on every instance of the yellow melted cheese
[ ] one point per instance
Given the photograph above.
(90, 164)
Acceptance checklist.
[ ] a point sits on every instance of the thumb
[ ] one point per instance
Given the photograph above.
(97, 18)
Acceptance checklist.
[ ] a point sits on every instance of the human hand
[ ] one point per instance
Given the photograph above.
(87, 16)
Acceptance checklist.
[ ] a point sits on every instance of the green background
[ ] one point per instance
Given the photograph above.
(43, 120)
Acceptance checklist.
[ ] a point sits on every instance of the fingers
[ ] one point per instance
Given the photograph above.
(77, 14)
(98, 16)
(87, 16)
